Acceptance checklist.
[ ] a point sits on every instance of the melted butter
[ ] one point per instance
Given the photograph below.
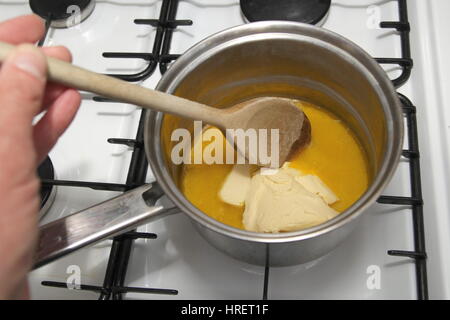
(334, 155)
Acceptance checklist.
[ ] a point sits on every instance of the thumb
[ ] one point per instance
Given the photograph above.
(22, 84)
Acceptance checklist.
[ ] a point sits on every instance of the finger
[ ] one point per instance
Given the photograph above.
(22, 84)
(53, 124)
(58, 52)
(53, 90)
(29, 28)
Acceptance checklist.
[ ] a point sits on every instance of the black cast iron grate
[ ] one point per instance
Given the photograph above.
(113, 285)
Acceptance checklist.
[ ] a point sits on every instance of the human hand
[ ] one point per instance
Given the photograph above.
(24, 93)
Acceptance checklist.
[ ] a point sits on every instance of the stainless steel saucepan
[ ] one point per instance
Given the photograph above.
(258, 59)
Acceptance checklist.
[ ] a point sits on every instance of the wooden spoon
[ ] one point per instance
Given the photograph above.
(259, 113)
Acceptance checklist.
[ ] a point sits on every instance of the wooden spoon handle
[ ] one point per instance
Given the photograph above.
(113, 88)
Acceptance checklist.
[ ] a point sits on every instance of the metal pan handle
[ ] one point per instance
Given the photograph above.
(105, 220)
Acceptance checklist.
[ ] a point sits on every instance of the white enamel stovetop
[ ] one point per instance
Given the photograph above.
(179, 258)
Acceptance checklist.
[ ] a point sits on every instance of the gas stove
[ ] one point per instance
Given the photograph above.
(101, 155)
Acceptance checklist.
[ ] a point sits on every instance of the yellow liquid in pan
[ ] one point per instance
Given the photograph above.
(334, 155)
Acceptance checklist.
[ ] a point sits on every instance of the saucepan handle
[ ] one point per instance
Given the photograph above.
(100, 222)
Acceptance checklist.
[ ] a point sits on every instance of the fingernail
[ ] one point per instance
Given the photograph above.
(28, 59)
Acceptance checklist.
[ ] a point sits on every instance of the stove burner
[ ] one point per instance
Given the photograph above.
(46, 171)
(306, 11)
(63, 13)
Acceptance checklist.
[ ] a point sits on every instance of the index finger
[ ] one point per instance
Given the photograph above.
(29, 28)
